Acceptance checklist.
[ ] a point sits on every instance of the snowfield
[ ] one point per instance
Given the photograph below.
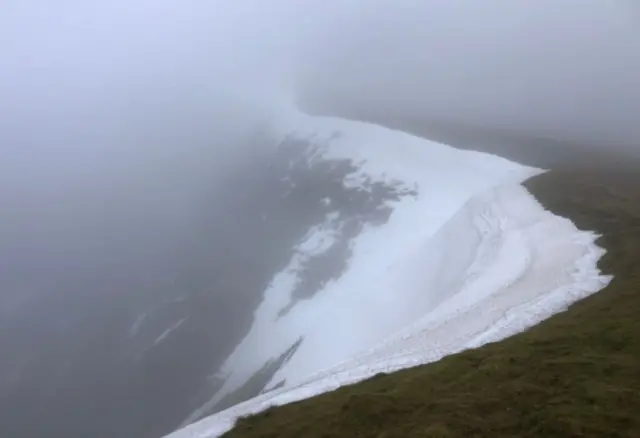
(469, 257)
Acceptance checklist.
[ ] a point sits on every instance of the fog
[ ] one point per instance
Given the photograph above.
(567, 70)
(122, 121)
(127, 97)
(120, 103)
(116, 121)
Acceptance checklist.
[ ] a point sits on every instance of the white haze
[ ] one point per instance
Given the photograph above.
(120, 119)
(122, 91)
(565, 69)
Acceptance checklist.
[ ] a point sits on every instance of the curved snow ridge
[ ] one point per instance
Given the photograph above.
(395, 271)
(501, 264)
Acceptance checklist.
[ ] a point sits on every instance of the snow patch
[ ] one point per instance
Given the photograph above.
(526, 265)
(168, 331)
(471, 258)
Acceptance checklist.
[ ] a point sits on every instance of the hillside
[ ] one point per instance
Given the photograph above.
(575, 374)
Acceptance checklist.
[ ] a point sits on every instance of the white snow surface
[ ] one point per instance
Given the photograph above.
(472, 259)
(168, 331)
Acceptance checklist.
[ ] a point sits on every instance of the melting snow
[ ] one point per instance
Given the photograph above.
(473, 258)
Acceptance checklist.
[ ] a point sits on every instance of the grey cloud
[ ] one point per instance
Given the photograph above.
(120, 120)
(563, 69)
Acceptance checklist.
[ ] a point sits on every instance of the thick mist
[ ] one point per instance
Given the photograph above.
(117, 122)
(134, 137)
(121, 107)
(126, 131)
(566, 70)
(139, 97)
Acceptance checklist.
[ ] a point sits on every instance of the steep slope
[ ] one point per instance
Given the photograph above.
(466, 257)
(336, 285)
(575, 374)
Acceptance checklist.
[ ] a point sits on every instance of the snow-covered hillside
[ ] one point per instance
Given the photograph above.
(462, 255)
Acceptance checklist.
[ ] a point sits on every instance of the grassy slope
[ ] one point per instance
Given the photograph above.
(576, 374)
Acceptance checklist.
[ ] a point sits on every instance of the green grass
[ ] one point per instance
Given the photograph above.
(575, 375)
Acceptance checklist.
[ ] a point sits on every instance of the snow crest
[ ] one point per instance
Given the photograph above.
(472, 258)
